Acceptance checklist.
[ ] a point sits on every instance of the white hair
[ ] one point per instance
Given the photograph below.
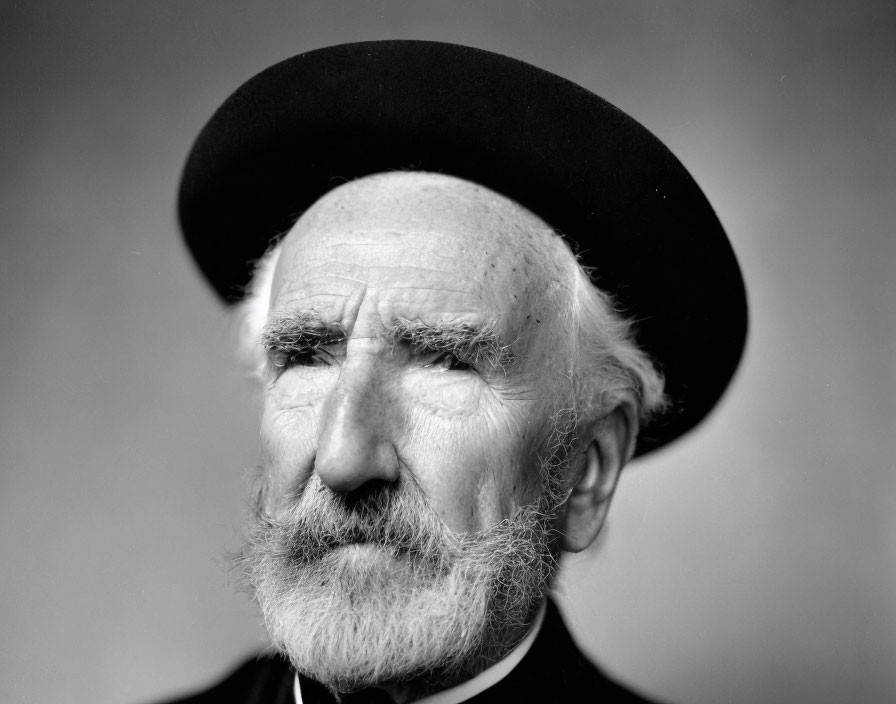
(607, 363)
(252, 311)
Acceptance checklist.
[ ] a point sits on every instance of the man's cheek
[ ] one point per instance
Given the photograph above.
(288, 439)
(302, 387)
(509, 434)
(466, 464)
(442, 393)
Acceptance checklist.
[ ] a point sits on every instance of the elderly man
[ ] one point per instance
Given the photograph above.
(448, 397)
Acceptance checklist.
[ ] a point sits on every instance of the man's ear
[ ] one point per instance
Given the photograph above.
(612, 444)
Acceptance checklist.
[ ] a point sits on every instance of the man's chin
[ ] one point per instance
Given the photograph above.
(368, 617)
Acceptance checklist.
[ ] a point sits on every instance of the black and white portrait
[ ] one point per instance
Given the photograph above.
(448, 352)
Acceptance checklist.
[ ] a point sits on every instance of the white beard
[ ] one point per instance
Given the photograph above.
(386, 594)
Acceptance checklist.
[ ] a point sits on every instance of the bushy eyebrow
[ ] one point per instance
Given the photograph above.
(299, 333)
(306, 331)
(471, 344)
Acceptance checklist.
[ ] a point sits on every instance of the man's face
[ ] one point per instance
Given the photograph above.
(418, 342)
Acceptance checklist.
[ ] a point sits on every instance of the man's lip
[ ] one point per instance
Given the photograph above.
(358, 541)
(362, 546)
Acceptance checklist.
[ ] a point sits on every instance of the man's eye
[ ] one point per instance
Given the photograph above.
(447, 362)
(310, 358)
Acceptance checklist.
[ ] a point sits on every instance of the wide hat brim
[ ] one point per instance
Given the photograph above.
(631, 210)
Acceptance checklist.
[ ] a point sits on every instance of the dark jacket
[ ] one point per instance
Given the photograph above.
(554, 670)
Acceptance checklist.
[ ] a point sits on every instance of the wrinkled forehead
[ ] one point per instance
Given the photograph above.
(425, 240)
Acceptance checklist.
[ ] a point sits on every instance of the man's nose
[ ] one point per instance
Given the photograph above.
(354, 446)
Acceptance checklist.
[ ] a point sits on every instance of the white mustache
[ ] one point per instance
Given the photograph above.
(396, 518)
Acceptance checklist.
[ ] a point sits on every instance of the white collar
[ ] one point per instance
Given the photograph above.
(481, 682)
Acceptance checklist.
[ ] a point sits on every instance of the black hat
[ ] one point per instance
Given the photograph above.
(634, 214)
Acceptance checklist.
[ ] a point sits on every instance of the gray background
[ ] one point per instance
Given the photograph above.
(752, 562)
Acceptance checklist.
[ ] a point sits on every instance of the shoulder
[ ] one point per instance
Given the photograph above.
(556, 670)
(264, 679)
